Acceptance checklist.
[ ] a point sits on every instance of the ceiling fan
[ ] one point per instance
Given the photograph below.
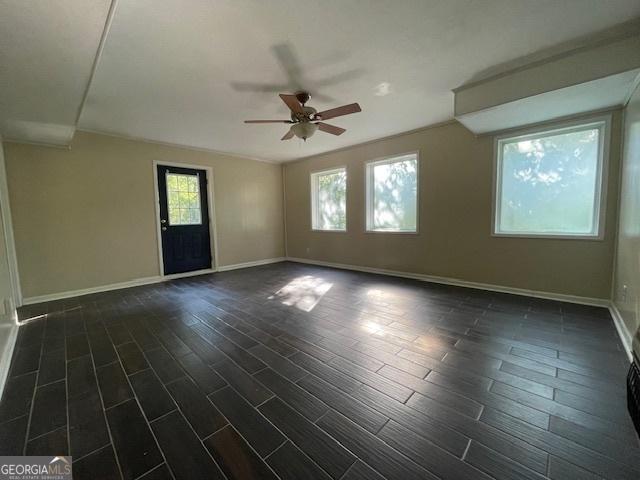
(306, 120)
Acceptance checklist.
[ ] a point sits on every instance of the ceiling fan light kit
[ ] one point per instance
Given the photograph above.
(304, 130)
(307, 120)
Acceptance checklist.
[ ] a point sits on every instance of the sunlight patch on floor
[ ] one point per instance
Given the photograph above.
(303, 293)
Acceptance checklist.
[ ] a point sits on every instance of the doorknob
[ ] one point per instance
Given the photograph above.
(162, 220)
(164, 229)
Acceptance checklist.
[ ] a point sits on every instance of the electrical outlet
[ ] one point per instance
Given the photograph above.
(308, 250)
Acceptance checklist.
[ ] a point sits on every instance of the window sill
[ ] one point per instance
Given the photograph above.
(327, 231)
(549, 236)
(392, 232)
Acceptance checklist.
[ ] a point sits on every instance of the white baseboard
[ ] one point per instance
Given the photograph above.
(86, 291)
(600, 302)
(625, 335)
(5, 359)
(143, 281)
(175, 276)
(256, 263)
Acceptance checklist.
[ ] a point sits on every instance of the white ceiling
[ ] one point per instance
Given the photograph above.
(190, 71)
(47, 50)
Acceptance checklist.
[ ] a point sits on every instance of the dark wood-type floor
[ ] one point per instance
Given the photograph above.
(228, 375)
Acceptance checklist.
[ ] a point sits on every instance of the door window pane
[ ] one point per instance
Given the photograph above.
(392, 194)
(549, 183)
(329, 200)
(183, 199)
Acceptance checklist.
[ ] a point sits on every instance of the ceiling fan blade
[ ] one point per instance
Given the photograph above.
(292, 102)
(332, 129)
(267, 121)
(339, 111)
(288, 135)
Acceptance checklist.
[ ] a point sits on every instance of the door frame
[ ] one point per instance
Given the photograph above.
(213, 231)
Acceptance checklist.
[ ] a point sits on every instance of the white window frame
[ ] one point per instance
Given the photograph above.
(315, 205)
(369, 193)
(603, 124)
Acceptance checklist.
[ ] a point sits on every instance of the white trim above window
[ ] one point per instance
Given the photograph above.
(329, 200)
(399, 200)
(552, 190)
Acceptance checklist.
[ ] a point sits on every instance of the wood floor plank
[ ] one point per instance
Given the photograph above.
(357, 412)
(362, 471)
(113, 383)
(329, 374)
(377, 454)
(319, 446)
(154, 399)
(379, 382)
(498, 466)
(235, 457)
(435, 431)
(134, 444)
(54, 441)
(620, 451)
(204, 376)
(164, 365)
(553, 408)
(185, 455)
(501, 441)
(49, 409)
(462, 404)
(253, 391)
(87, 424)
(103, 461)
(278, 363)
(559, 446)
(434, 459)
(254, 427)
(299, 399)
(17, 396)
(132, 358)
(291, 464)
(13, 435)
(203, 416)
(561, 470)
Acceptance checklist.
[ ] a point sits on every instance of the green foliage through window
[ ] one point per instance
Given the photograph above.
(183, 198)
(549, 183)
(329, 200)
(392, 198)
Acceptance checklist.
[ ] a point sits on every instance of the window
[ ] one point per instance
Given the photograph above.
(392, 194)
(329, 200)
(183, 199)
(549, 183)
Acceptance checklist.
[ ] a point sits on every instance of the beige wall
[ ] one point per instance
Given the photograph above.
(5, 277)
(85, 217)
(456, 175)
(6, 290)
(8, 326)
(627, 269)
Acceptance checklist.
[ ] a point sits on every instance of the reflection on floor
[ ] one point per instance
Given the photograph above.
(291, 371)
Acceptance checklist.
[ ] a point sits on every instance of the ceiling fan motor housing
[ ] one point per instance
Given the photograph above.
(308, 113)
(303, 97)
